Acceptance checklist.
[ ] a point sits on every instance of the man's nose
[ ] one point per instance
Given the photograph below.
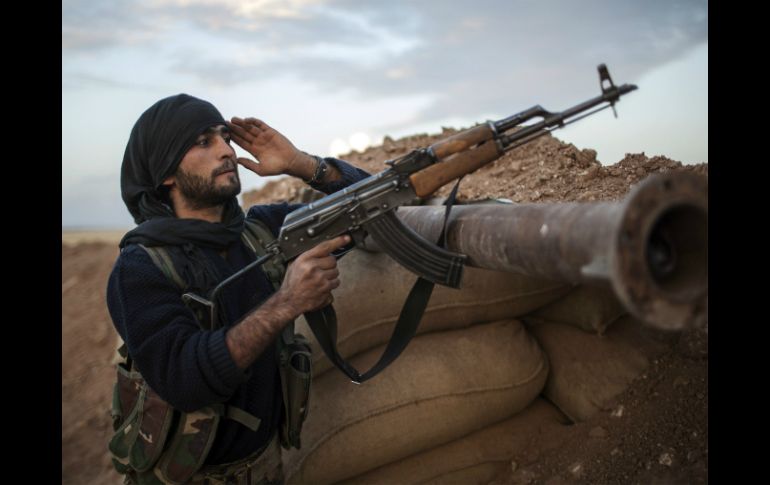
(225, 150)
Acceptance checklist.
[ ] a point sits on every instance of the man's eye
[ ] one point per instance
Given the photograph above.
(202, 142)
(227, 138)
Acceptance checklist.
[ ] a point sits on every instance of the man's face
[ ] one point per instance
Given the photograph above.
(208, 174)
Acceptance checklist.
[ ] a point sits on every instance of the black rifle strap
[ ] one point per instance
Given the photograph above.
(323, 322)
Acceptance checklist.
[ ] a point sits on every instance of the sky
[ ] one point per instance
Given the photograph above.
(335, 75)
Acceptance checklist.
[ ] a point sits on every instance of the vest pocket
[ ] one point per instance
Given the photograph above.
(192, 440)
(157, 416)
(142, 422)
(296, 374)
(125, 435)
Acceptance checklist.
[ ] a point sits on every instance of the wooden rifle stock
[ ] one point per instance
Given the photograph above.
(469, 150)
(430, 179)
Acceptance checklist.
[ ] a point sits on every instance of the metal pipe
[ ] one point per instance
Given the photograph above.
(651, 247)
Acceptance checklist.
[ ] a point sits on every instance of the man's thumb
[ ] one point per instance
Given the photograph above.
(251, 165)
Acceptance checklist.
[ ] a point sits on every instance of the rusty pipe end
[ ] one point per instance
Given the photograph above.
(660, 267)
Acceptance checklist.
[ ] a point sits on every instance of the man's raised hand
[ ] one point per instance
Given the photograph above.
(276, 155)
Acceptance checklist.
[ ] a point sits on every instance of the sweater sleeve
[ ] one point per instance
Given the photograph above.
(350, 175)
(188, 367)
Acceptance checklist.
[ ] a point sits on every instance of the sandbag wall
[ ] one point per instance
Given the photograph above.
(480, 456)
(474, 369)
(373, 289)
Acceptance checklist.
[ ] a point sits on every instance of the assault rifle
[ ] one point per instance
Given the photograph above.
(368, 207)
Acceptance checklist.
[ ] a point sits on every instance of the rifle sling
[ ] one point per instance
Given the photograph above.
(323, 322)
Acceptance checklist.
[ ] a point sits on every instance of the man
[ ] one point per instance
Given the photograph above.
(179, 180)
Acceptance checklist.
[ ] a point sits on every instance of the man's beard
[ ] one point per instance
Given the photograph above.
(202, 193)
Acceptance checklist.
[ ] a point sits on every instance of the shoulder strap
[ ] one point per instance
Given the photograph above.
(161, 258)
(237, 414)
(256, 236)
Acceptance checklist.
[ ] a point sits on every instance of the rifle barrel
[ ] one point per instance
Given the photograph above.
(553, 120)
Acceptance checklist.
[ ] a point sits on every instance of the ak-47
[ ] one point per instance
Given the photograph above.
(369, 206)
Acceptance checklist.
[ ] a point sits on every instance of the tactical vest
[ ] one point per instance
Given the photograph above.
(157, 444)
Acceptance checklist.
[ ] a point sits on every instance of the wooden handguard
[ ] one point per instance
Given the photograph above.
(430, 179)
(462, 141)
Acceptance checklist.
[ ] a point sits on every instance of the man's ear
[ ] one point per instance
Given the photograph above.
(169, 182)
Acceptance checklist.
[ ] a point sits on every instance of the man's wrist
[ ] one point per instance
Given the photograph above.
(282, 306)
(249, 338)
(319, 174)
(312, 169)
(302, 166)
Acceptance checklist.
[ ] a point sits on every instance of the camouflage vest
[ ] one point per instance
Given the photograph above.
(157, 444)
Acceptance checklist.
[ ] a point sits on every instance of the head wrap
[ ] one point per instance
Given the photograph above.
(159, 140)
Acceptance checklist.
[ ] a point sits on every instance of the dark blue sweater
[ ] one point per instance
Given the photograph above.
(189, 367)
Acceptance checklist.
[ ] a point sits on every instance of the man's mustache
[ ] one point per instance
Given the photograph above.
(230, 166)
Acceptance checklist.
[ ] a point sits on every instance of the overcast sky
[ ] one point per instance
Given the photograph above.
(336, 74)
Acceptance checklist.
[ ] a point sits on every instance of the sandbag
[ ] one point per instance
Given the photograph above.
(590, 308)
(478, 457)
(588, 370)
(373, 288)
(442, 387)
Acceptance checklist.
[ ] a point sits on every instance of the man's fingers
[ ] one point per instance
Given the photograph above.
(241, 142)
(241, 121)
(332, 285)
(257, 123)
(330, 273)
(325, 262)
(251, 123)
(326, 247)
(240, 132)
(245, 131)
(250, 165)
(328, 301)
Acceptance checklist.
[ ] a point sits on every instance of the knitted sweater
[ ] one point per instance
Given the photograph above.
(191, 368)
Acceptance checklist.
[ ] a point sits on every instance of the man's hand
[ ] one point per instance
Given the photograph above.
(307, 286)
(275, 153)
(311, 277)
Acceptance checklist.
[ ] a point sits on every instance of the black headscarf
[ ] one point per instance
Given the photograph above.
(158, 142)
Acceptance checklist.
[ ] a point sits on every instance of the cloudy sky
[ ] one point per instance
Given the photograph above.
(336, 74)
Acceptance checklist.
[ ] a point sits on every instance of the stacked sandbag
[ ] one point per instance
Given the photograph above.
(591, 308)
(374, 287)
(444, 386)
(588, 370)
(478, 457)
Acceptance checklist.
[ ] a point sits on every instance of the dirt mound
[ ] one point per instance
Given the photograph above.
(88, 345)
(545, 170)
(656, 431)
(659, 436)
